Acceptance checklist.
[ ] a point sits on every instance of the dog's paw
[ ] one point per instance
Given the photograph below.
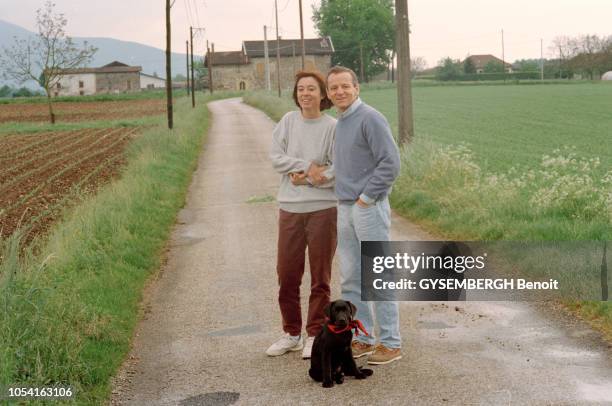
(329, 384)
(340, 379)
(360, 376)
(367, 372)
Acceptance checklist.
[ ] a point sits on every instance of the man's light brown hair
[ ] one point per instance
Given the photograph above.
(341, 69)
(325, 102)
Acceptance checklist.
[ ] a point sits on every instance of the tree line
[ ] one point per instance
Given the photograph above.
(588, 56)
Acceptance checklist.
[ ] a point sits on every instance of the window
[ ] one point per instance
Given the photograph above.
(242, 85)
(82, 93)
(81, 84)
(59, 86)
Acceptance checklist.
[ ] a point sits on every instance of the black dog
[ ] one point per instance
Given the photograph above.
(331, 357)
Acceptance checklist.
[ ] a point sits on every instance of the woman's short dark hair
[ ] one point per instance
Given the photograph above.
(325, 102)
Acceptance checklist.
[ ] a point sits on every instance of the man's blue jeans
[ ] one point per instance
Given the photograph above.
(356, 224)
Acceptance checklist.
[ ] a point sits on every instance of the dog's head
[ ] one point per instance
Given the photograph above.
(340, 312)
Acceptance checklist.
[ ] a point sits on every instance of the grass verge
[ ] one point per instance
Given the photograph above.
(67, 313)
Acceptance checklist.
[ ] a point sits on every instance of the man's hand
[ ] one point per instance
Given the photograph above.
(315, 174)
(363, 204)
(298, 178)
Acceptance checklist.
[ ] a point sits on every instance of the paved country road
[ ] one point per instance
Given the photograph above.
(212, 312)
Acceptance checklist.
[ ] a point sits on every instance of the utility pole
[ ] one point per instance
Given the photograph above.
(404, 91)
(168, 66)
(293, 46)
(212, 60)
(278, 73)
(393, 66)
(361, 74)
(192, 77)
(266, 58)
(187, 46)
(210, 80)
(302, 38)
(503, 58)
(542, 59)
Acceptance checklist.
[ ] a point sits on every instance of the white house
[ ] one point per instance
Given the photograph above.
(607, 76)
(151, 82)
(116, 77)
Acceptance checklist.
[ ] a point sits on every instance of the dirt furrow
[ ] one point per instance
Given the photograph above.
(28, 172)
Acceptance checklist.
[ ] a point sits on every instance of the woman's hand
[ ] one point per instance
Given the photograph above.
(298, 178)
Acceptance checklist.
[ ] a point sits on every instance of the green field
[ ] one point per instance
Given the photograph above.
(510, 125)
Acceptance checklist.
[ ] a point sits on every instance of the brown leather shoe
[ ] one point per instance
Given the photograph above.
(360, 349)
(383, 355)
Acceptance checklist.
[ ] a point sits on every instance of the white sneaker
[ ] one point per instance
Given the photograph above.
(285, 344)
(307, 348)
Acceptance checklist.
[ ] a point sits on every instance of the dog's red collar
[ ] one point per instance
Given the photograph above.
(354, 324)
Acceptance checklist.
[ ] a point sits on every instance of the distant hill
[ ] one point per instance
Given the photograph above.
(152, 60)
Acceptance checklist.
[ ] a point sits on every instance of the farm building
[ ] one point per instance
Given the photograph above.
(480, 61)
(245, 69)
(151, 82)
(116, 77)
(607, 76)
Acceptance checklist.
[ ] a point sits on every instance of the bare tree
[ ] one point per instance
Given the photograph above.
(417, 65)
(42, 58)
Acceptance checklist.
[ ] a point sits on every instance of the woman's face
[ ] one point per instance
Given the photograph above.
(309, 94)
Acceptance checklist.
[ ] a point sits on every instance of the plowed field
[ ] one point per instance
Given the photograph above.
(82, 111)
(42, 173)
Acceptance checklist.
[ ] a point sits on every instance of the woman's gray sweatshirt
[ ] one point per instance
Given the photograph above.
(296, 143)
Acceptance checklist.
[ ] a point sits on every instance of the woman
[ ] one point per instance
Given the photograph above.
(301, 151)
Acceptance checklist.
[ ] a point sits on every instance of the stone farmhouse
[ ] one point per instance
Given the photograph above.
(245, 69)
(480, 61)
(116, 77)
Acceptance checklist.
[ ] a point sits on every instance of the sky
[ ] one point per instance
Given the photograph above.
(440, 28)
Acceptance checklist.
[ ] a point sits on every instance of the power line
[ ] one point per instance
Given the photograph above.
(188, 10)
(195, 5)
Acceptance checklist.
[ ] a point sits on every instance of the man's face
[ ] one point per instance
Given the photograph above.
(341, 90)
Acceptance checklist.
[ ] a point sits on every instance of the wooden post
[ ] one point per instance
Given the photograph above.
(302, 38)
(404, 91)
(192, 76)
(187, 45)
(168, 67)
(278, 73)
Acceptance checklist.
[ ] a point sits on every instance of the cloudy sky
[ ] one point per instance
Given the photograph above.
(440, 28)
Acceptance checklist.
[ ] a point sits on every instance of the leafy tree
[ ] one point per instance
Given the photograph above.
(356, 25)
(528, 65)
(493, 67)
(448, 69)
(49, 52)
(201, 74)
(6, 91)
(24, 92)
(468, 66)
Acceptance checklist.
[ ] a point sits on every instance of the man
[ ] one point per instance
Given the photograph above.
(366, 162)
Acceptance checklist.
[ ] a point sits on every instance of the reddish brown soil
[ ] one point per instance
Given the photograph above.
(82, 111)
(42, 174)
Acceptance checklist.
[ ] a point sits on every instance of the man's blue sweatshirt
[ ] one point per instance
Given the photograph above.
(366, 158)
